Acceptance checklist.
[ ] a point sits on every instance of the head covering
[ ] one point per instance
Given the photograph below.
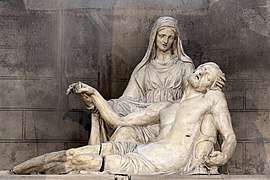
(161, 22)
(135, 87)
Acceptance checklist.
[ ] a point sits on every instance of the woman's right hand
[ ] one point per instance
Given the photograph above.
(80, 88)
(84, 91)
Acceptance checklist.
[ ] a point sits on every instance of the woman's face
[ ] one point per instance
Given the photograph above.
(164, 39)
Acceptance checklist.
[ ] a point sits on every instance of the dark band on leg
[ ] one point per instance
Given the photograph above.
(102, 164)
(100, 149)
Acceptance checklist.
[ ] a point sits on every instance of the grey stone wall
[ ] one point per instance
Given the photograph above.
(46, 45)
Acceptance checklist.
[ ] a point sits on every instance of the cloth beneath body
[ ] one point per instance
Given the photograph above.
(130, 163)
(125, 160)
(134, 163)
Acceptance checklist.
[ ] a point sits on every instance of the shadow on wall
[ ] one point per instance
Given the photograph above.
(82, 117)
(194, 51)
(252, 150)
(257, 154)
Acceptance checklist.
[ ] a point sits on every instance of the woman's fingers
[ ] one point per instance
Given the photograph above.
(81, 90)
(71, 88)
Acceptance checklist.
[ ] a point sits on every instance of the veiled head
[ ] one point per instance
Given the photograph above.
(178, 53)
(167, 28)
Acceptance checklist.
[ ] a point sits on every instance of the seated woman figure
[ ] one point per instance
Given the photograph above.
(159, 77)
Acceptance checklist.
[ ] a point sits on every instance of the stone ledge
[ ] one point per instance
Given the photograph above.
(152, 177)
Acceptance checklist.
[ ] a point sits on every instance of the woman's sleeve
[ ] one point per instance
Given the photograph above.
(135, 88)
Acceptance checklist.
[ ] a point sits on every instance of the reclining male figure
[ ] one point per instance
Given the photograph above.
(182, 146)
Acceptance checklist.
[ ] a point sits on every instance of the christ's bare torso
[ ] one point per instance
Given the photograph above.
(180, 124)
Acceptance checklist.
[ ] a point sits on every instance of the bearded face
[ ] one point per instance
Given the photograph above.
(193, 80)
(203, 78)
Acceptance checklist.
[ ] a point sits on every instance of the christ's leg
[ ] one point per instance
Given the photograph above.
(102, 149)
(40, 163)
(86, 162)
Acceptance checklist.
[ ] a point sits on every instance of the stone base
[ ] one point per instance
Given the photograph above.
(119, 177)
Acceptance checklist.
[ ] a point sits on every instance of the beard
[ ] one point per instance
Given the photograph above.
(193, 81)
